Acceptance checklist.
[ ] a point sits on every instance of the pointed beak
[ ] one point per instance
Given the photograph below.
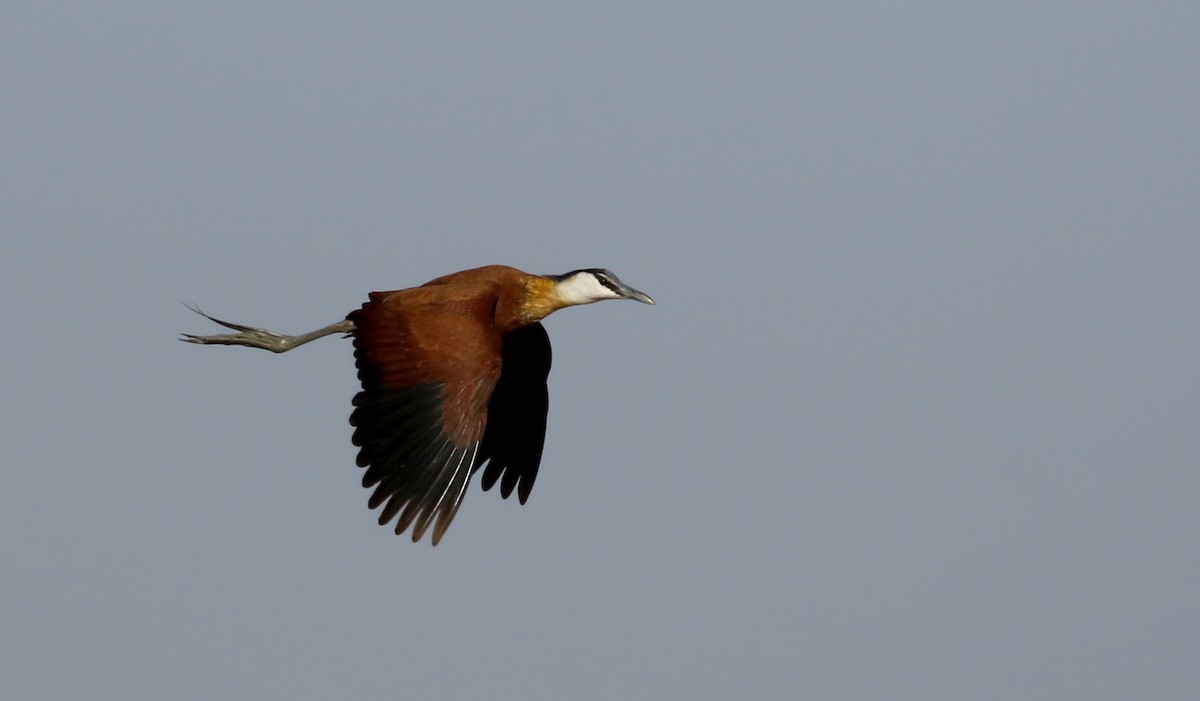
(629, 293)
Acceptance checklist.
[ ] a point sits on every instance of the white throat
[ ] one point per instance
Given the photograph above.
(583, 288)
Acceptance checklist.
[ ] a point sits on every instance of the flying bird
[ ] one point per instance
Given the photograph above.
(453, 377)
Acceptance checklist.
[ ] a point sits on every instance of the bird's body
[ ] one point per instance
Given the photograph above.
(453, 376)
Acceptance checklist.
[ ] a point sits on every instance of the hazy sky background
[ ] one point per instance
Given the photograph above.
(916, 416)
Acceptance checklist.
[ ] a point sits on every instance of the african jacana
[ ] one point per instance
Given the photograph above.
(453, 376)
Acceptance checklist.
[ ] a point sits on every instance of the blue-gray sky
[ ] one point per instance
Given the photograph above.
(915, 416)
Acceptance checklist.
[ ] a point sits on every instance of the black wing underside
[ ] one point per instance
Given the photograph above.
(419, 473)
(516, 428)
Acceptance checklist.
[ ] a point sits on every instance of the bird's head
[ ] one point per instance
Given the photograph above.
(593, 285)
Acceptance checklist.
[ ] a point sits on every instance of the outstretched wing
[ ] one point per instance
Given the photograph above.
(428, 359)
(516, 427)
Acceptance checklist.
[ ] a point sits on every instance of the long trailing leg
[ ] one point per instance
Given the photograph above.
(261, 338)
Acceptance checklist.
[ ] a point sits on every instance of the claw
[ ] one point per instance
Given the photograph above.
(226, 324)
(252, 337)
(247, 335)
